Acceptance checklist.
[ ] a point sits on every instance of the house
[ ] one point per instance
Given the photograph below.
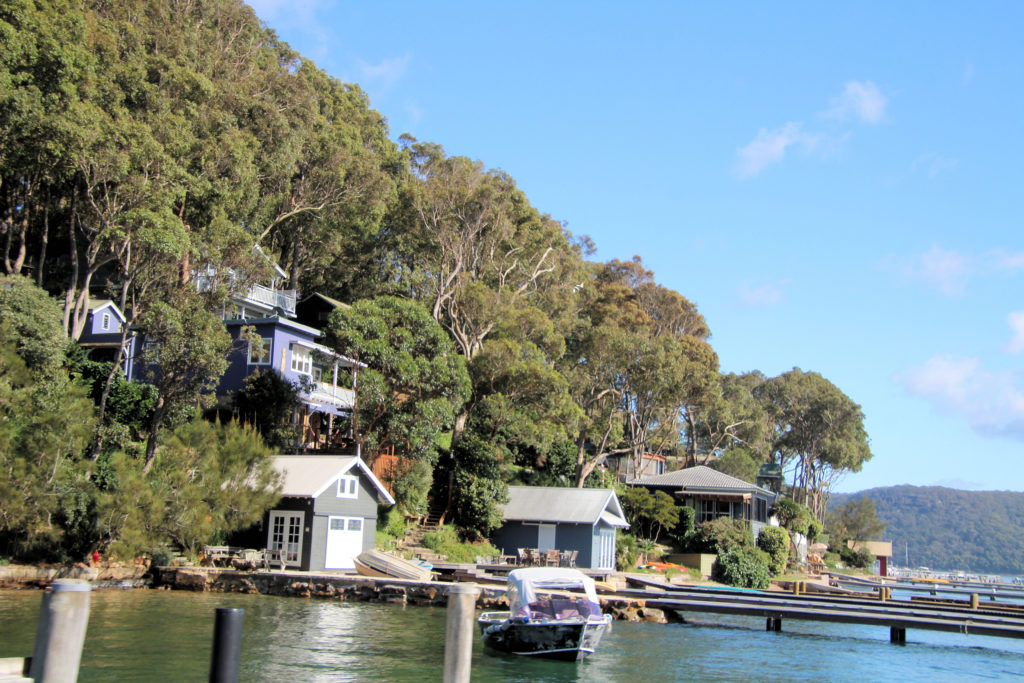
(882, 550)
(103, 335)
(623, 466)
(565, 519)
(713, 494)
(326, 516)
(327, 381)
(314, 310)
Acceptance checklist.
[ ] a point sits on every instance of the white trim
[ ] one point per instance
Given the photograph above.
(357, 461)
(269, 345)
(346, 482)
(320, 348)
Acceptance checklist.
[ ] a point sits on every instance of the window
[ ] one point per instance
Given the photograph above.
(355, 524)
(348, 486)
(302, 360)
(285, 536)
(318, 373)
(106, 321)
(259, 351)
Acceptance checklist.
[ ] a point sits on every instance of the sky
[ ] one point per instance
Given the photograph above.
(838, 187)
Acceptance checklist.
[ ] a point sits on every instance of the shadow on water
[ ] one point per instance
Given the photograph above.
(155, 635)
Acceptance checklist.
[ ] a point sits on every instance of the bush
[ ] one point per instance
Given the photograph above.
(627, 553)
(445, 541)
(774, 541)
(720, 535)
(861, 559)
(682, 533)
(744, 567)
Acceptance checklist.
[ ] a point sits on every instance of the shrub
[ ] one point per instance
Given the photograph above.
(861, 559)
(744, 567)
(774, 541)
(445, 541)
(720, 535)
(626, 552)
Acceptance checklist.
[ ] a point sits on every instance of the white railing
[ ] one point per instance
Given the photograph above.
(279, 298)
(339, 397)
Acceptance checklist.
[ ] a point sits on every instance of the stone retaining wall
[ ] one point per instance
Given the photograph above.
(366, 589)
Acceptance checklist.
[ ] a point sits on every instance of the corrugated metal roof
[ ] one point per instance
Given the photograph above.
(555, 504)
(699, 478)
(310, 475)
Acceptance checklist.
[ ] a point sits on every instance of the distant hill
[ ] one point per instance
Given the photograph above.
(948, 529)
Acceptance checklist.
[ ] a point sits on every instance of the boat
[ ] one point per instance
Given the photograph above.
(382, 565)
(543, 623)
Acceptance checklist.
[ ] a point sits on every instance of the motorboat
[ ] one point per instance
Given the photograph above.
(546, 618)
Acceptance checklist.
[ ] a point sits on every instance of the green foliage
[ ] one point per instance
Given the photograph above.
(206, 481)
(682, 534)
(627, 552)
(411, 487)
(649, 513)
(267, 401)
(775, 542)
(445, 541)
(859, 559)
(743, 567)
(737, 462)
(855, 520)
(720, 535)
(795, 517)
(479, 484)
(34, 325)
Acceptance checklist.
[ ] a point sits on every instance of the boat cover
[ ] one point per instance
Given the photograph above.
(523, 585)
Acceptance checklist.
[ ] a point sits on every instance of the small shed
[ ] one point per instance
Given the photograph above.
(327, 514)
(564, 519)
(882, 550)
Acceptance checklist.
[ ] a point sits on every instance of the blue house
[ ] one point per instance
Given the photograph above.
(563, 519)
(104, 333)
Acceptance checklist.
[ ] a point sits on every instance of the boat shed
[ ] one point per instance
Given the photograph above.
(327, 514)
(564, 519)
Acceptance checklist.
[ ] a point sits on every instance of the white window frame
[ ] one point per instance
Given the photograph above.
(302, 361)
(266, 356)
(106, 321)
(318, 373)
(348, 486)
(286, 525)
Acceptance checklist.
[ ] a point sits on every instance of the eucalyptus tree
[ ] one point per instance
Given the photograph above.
(818, 433)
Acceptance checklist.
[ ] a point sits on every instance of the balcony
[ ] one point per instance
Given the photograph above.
(330, 395)
(283, 299)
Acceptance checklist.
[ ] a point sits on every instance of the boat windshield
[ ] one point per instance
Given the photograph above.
(525, 588)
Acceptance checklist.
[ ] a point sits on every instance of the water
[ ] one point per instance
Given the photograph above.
(144, 635)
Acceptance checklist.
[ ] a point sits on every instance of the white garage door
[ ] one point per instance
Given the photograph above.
(344, 542)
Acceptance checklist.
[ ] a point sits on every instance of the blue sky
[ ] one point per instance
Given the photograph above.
(837, 188)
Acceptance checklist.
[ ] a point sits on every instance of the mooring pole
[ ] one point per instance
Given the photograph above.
(227, 645)
(60, 632)
(458, 650)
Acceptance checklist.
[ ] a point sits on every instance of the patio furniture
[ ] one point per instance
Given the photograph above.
(551, 558)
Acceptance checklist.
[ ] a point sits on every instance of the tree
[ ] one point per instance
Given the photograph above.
(649, 513)
(266, 401)
(774, 541)
(414, 382)
(856, 520)
(818, 433)
(737, 462)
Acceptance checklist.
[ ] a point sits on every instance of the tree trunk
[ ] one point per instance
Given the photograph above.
(154, 427)
(41, 265)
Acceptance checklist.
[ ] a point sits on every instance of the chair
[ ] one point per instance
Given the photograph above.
(572, 558)
(552, 558)
(523, 556)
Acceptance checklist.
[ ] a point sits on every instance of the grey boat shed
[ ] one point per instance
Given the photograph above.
(327, 514)
(564, 519)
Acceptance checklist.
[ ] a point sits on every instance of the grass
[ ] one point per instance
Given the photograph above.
(446, 542)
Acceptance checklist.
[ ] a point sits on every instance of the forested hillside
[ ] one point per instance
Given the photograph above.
(941, 528)
(159, 153)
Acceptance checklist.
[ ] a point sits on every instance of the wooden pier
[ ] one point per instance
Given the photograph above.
(898, 615)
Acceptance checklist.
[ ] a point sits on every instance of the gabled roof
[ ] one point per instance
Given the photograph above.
(307, 476)
(700, 478)
(567, 505)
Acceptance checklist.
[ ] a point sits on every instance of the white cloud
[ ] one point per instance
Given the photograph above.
(944, 269)
(770, 294)
(863, 101)
(769, 147)
(1016, 322)
(932, 164)
(992, 403)
(1007, 260)
(386, 73)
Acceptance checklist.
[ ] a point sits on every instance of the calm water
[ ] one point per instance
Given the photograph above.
(165, 636)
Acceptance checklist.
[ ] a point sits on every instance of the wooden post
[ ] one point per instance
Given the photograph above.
(897, 635)
(974, 601)
(458, 651)
(60, 632)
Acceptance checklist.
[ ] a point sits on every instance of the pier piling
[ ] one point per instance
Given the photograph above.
(227, 645)
(60, 632)
(458, 651)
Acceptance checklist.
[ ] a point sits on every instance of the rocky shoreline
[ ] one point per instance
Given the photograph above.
(341, 587)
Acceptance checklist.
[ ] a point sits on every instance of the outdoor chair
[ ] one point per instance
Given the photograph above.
(552, 558)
